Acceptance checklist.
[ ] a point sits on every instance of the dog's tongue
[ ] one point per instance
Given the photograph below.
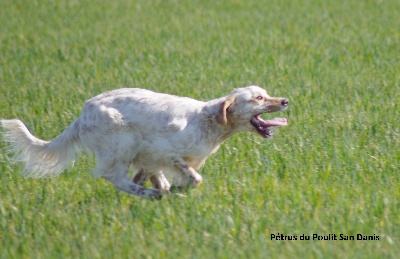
(276, 122)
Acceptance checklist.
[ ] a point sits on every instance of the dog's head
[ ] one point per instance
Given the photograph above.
(241, 110)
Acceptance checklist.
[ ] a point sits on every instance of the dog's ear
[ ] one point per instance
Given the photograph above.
(223, 109)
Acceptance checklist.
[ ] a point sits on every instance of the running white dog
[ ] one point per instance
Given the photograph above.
(153, 132)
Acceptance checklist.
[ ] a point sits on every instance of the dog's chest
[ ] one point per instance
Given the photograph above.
(198, 154)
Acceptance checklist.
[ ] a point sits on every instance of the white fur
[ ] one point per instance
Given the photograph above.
(153, 132)
(41, 158)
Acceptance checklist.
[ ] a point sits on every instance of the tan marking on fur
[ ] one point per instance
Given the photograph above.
(147, 130)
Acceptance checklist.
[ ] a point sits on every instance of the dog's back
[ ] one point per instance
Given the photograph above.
(149, 130)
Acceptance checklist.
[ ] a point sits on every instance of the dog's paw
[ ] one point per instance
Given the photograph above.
(154, 194)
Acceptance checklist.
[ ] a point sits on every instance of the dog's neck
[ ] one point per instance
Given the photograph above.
(221, 132)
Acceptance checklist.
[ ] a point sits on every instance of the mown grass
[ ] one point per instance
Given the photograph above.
(334, 169)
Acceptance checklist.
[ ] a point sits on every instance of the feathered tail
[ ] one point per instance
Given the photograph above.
(41, 158)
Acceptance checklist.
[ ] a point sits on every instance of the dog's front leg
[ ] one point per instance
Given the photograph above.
(189, 178)
(158, 180)
(141, 177)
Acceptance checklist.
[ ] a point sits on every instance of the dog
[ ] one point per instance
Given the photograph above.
(153, 132)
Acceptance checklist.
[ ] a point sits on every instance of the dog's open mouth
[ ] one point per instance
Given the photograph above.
(263, 126)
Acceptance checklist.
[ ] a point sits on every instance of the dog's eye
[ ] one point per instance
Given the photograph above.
(259, 97)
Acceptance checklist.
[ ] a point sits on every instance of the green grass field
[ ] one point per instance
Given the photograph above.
(333, 170)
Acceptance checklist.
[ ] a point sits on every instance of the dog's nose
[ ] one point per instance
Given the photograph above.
(285, 102)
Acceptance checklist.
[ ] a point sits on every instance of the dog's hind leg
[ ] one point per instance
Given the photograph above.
(117, 173)
(114, 154)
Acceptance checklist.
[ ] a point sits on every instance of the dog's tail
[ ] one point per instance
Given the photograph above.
(41, 158)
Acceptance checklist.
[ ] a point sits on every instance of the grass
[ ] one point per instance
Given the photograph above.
(334, 170)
